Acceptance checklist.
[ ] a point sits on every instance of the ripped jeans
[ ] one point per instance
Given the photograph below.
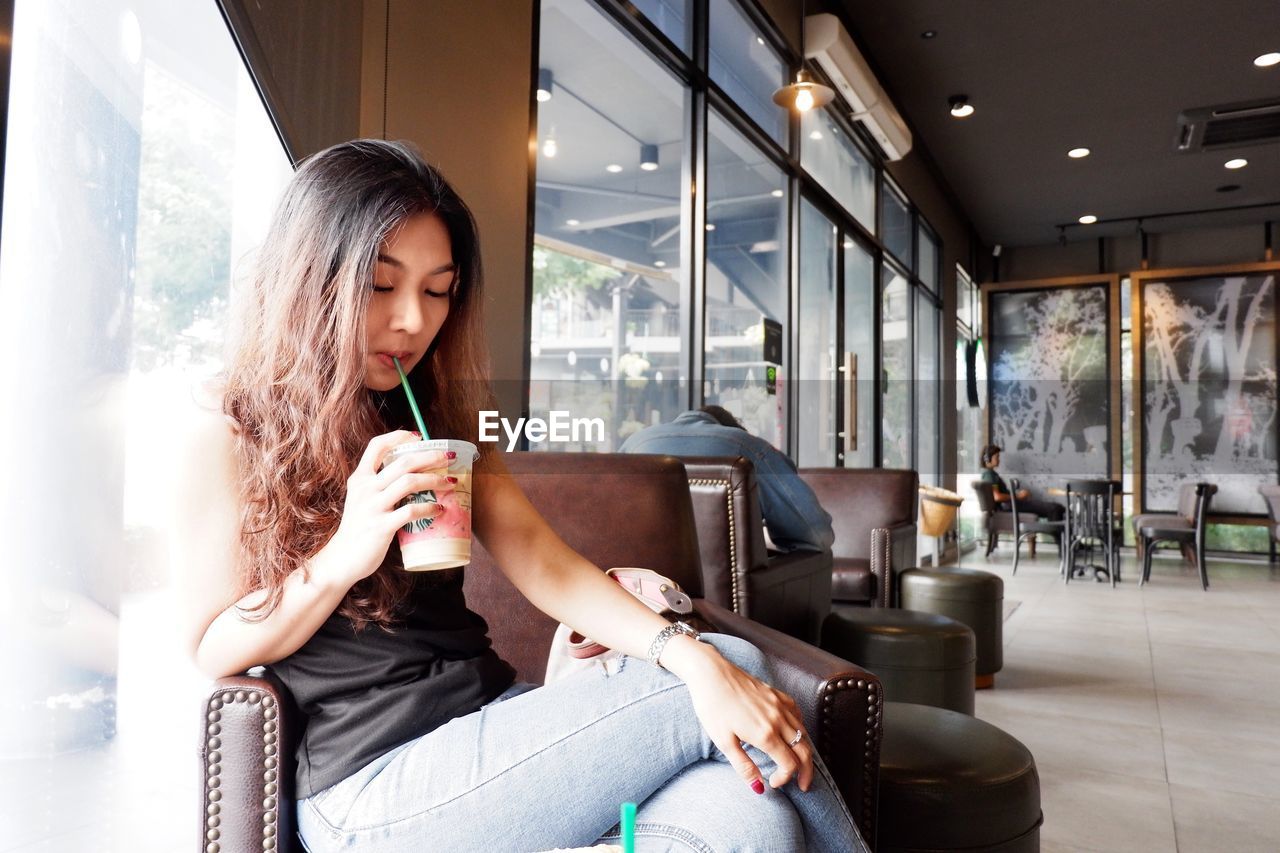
(543, 768)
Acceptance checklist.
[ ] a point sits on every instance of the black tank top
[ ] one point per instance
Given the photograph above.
(366, 693)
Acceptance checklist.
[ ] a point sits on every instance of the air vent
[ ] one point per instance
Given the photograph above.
(1228, 126)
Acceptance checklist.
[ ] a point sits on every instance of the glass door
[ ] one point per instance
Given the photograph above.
(835, 396)
(858, 355)
(817, 389)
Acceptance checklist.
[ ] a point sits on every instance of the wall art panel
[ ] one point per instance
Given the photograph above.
(1050, 398)
(1208, 391)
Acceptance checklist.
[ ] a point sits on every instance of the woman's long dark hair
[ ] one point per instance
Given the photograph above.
(294, 385)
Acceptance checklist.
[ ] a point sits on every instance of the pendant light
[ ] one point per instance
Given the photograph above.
(804, 94)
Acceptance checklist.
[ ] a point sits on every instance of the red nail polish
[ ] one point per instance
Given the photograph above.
(757, 786)
(416, 434)
(449, 454)
(452, 479)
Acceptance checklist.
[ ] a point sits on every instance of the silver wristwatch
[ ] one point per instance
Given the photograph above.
(660, 641)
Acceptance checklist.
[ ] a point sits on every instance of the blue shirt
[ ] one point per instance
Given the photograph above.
(791, 510)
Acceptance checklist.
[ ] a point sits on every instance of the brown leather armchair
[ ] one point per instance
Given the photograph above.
(873, 512)
(789, 591)
(615, 509)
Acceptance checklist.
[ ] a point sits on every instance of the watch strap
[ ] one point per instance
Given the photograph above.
(664, 636)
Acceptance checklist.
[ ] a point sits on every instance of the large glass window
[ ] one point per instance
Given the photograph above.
(141, 170)
(748, 70)
(895, 369)
(927, 260)
(895, 223)
(615, 262)
(969, 418)
(746, 279)
(837, 163)
(669, 16)
(928, 427)
(816, 376)
(608, 298)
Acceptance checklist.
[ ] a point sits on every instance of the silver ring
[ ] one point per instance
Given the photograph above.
(795, 740)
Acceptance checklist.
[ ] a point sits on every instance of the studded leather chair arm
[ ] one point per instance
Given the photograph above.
(250, 730)
(788, 591)
(893, 551)
(841, 702)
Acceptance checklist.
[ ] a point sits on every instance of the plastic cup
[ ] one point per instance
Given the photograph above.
(444, 540)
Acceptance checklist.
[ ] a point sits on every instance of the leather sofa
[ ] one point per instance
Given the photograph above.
(874, 513)
(789, 591)
(615, 509)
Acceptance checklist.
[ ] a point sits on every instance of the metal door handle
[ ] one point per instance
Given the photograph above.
(851, 401)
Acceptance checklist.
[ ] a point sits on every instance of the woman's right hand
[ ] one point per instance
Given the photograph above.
(370, 516)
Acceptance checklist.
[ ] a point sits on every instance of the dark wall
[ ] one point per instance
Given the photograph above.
(1200, 247)
(305, 57)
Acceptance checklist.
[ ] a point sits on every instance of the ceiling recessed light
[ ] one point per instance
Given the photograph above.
(960, 106)
(1228, 188)
(816, 134)
(613, 167)
(759, 40)
(545, 81)
(1237, 163)
(572, 222)
(1077, 153)
(848, 244)
(777, 193)
(1088, 219)
(1267, 60)
(928, 34)
(659, 263)
(711, 226)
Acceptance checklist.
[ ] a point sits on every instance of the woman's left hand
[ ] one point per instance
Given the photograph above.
(736, 708)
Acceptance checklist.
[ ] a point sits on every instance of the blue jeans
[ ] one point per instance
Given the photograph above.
(543, 768)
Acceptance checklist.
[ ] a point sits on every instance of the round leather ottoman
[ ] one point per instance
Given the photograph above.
(919, 657)
(949, 781)
(970, 596)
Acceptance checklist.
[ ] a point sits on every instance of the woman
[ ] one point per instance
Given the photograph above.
(416, 736)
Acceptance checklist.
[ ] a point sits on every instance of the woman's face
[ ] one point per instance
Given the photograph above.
(412, 286)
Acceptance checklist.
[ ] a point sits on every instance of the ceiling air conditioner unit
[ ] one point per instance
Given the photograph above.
(828, 43)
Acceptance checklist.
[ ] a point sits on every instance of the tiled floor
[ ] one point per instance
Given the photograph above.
(1153, 713)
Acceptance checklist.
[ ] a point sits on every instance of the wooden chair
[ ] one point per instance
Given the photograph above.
(1152, 535)
(1023, 529)
(996, 520)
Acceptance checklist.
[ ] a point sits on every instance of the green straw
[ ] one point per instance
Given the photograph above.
(628, 828)
(413, 404)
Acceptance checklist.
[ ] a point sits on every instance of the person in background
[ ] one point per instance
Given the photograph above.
(792, 515)
(1026, 503)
